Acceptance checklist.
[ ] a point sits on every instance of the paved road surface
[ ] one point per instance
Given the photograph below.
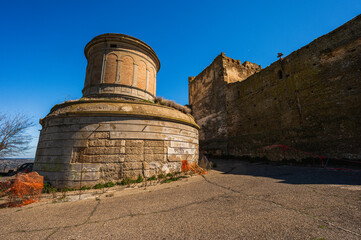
(239, 201)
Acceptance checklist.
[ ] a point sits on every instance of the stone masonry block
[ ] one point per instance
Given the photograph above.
(154, 150)
(181, 150)
(133, 158)
(92, 159)
(155, 157)
(102, 135)
(115, 143)
(132, 174)
(94, 151)
(145, 165)
(114, 150)
(155, 165)
(104, 150)
(110, 172)
(96, 143)
(80, 143)
(102, 158)
(134, 143)
(150, 143)
(134, 150)
(115, 158)
(182, 145)
(149, 173)
(132, 166)
(180, 157)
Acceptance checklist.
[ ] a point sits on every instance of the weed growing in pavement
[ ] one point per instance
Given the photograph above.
(172, 179)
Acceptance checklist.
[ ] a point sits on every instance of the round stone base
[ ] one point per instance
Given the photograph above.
(95, 141)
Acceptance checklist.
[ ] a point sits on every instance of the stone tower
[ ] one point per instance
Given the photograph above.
(115, 130)
(120, 66)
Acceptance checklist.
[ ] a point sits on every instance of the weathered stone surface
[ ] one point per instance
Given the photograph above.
(181, 151)
(155, 150)
(110, 172)
(104, 150)
(101, 158)
(134, 150)
(132, 174)
(101, 135)
(132, 165)
(134, 143)
(149, 173)
(180, 157)
(310, 100)
(128, 68)
(155, 157)
(133, 158)
(96, 143)
(123, 137)
(150, 143)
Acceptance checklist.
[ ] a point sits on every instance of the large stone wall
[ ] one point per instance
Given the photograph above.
(310, 100)
(85, 149)
(207, 97)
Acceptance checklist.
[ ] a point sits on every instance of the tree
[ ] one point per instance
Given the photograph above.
(13, 136)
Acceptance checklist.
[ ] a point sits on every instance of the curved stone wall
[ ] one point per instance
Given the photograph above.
(86, 142)
(120, 66)
(109, 134)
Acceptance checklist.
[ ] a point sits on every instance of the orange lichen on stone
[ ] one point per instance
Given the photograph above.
(186, 167)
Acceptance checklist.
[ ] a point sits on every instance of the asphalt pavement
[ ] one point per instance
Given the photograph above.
(238, 200)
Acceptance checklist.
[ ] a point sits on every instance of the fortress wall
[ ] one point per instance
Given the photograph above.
(207, 97)
(310, 100)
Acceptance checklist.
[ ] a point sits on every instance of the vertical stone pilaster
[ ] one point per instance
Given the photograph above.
(103, 65)
(119, 65)
(147, 81)
(135, 75)
(155, 84)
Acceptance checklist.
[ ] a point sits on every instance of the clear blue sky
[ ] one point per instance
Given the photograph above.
(42, 61)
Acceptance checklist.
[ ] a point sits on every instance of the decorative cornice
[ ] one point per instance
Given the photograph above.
(117, 37)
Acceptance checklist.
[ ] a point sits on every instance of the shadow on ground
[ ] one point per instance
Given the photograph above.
(289, 174)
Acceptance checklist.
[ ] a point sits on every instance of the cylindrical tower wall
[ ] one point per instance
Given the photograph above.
(120, 66)
(87, 142)
(103, 138)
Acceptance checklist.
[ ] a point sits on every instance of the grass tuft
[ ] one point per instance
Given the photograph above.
(152, 178)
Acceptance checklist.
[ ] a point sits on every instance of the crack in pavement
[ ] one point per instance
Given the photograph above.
(58, 228)
(222, 195)
(124, 216)
(52, 233)
(92, 212)
(283, 206)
